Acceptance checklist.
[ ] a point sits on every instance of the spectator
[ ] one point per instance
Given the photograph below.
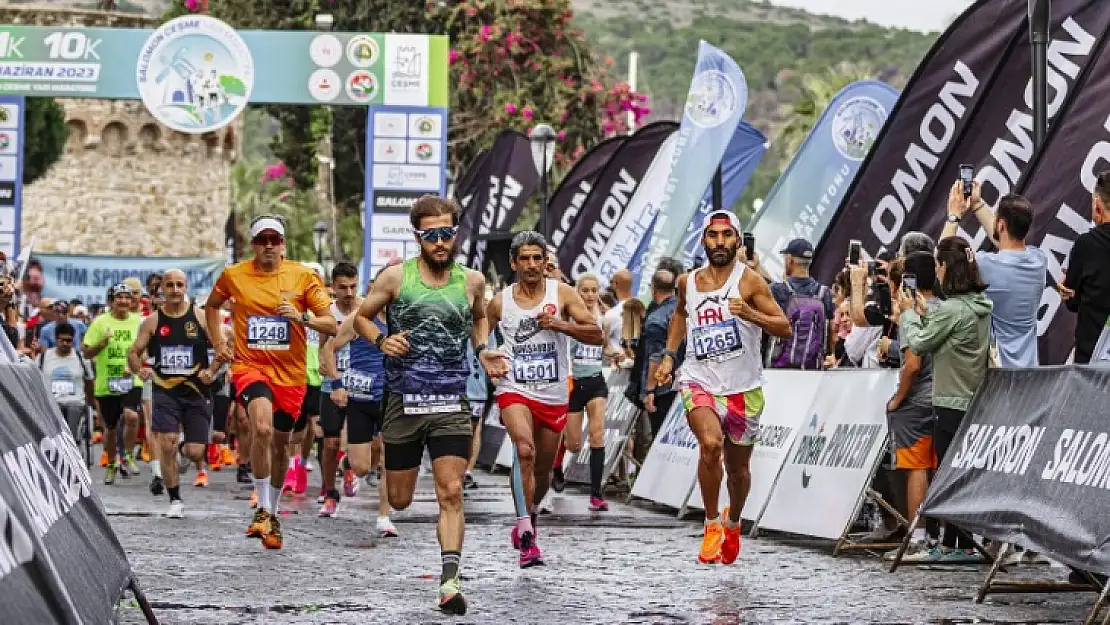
(31, 288)
(658, 399)
(621, 283)
(69, 375)
(810, 309)
(61, 315)
(81, 314)
(1088, 274)
(916, 242)
(957, 336)
(36, 323)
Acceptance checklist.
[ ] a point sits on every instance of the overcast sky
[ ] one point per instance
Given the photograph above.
(923, 15)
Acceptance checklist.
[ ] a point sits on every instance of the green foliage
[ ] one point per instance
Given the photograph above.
(45, 137)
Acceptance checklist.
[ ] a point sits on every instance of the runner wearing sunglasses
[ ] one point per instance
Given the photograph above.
(434, 306)
(276, 301)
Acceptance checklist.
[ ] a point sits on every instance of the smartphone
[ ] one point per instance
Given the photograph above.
(873, 268)
(855, 249)
(749, 245)
(967, 176)
(909, 282)
(881, 293)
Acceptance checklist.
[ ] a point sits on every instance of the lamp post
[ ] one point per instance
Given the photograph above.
(542, 139)
(1040, 12)
(450, 185)
(319, 239)
(325, 22)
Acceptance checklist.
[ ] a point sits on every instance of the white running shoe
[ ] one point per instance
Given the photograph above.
(308, 465)
(385, 528)
(177, 510)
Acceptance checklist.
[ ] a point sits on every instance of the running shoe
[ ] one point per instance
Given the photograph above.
(330, 505)
(254, 500)
(213, 454)
(308, 466)
(98, 437)
(227, 456)
(103, 458)
(323, 495)
(156, 486)
(375, 476)
(962, 556)
(924, 554)
(558, 480)
(300, 478)
(272, 538)
(177, 510)
(260, 524)
(530, 554)
(385, 528)
(290, 481)
(469, 483)
(144, 453)
(244, 475)
(202, 480)
(730, 544)
(450, 597)
(597, 504)
(132, 466)
(710, 552)
(514, 536)
(110, 474)
(350, 483)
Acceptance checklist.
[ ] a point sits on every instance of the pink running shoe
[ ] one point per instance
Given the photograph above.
(597, 504)
(514, 536)
(329, 507)
(350, 483)
(290, 481)
(300, 474)
(530, 554)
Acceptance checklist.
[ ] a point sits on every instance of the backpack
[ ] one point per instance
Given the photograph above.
(806, 347)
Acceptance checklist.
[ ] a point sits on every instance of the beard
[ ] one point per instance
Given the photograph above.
(438, 265)
(722, 256)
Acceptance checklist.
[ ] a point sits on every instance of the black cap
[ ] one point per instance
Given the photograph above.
(798, 248)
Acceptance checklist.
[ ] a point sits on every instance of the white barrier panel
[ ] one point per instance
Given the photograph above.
(620, 416)
(831, 462)
(671, 466)
(788, 395)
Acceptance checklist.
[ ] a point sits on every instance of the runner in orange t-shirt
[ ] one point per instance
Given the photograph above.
(275, 300)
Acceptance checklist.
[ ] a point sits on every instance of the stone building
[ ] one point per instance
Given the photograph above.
(126, 185)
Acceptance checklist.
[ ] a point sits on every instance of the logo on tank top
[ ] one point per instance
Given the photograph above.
(528, 328)
(191, 330)
(550, 308)
(164, 331)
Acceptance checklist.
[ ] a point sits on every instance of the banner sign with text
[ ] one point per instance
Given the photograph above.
(88, 278)
(969, 103)
(568, 198)
(808, 193)
(13, 111)
(620, 416)
(671, 465)
(60, 562)
(1027, 470)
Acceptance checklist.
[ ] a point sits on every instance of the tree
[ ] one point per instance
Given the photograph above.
(45, 137)
(817, 91)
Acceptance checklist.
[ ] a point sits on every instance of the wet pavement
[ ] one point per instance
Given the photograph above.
(632, 565)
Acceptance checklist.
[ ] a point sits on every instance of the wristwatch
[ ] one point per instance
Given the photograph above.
(337, 384)
(481, 348)
(378, 341)
(306, 317)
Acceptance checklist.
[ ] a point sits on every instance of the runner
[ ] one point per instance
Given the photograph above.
(723, 310)
(275, 300)
(117, 390)
(176, 340)
(221, 408)
(535, 317)
(433, 305)
(589, 393)
(300, 446)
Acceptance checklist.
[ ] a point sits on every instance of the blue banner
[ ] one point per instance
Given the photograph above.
(714, 107)
(12, 115)
(88, 278)
(807, 195)
(742, 156)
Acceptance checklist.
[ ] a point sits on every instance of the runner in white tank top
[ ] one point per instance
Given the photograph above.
(535, 317)
(723, 310)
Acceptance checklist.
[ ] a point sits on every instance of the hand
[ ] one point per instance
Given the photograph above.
(830, 362)
(959, 205)
(884, 347)
(550, 322)
(921, 305)
(396, 345)
(225, 353)
(287, 310)
(893, 404)
(206, 376)
(649, 401)
(902, 301)
(104, 340)
(1065, 293)
(740, 309)
(339, 397)
(663, 371)
(754, 262)
(495, 362)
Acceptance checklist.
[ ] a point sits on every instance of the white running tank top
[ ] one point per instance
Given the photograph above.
(722, 351)
(540, 359)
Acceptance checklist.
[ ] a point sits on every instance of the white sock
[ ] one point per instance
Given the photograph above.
(156, 468)
(716, 519)
(262, 489)
(275, 499)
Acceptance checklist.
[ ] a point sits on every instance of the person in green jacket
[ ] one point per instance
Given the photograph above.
(957, 335)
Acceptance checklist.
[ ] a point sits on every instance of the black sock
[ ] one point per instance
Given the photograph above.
(320, 453)
(597, 467)
(175, 493)
(450, 565)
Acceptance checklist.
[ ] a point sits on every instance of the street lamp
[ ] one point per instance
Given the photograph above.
(450, 185)
(325, 22)
(543, 138)
(319, 239)
(1040, 14)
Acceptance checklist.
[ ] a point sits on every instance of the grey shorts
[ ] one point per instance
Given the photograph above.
(187, 413)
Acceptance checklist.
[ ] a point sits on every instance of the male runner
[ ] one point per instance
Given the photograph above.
(117, 390)
(433, 305)
(275, 300)
(300, 446)
(723, 310)
(177, 342)
(535, 317)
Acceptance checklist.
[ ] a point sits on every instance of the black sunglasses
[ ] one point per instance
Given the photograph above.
(434, 235)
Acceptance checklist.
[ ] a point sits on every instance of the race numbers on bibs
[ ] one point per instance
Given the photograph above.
(589, 355)
(358, 384)
(343, 358)
(120, 386)
(267, 333)
(60, 388)
(719, 341)
(176, 360)
(419, 404)
(536, 368)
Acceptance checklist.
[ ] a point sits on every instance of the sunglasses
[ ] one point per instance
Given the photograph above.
(434, 235)
(269, 239)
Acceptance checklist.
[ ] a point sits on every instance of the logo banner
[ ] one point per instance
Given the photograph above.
(88, 278)
(1022, 470)
(969, 102)
(566, 203)
(809, 191)
(714, 107)
(671, 466)
(610, 198)
(741, 158)
(12, 114)
(620, 416)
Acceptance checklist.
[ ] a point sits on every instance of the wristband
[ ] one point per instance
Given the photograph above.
(481, 348)
(337, 384)
(378, 341)
(666, 353)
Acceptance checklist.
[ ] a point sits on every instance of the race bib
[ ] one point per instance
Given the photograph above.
(417, 404)
(587, 354)
(312, 337)
(120, 386)
(176, 360)
(719, 341)
(267, 333)
(358, 383)
(538, 368)
(60, 388)
(343, 358)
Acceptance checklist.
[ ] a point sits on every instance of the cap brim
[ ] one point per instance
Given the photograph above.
(265, 224)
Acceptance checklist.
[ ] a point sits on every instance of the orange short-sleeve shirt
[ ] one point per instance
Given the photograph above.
(264, 341)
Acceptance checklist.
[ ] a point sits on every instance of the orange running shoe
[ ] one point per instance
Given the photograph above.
(103, 459)
(711, 544)
(144, 453)
(254, 500)
(213, 453)
(260, 524)
(228, 457)
(202, 480)
(730, 546)
(98, 437)
(271, 539)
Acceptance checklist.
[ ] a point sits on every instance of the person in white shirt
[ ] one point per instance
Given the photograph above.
(68, 375)
(614, 317)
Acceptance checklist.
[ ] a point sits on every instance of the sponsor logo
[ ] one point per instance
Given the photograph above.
(191, 330)
(424, 151)
(855, 126)
(324, 85)
(325, 50)
(5, 140)
(362, 51)
(550, 308)
(424, 125)
(526, 329)
(362, 86)
(712, 99)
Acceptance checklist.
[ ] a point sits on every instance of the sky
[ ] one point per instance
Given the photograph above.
(922, 15)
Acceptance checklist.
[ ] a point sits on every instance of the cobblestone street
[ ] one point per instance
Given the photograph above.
(630, 566)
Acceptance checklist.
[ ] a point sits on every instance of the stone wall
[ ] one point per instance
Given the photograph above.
(127, 185)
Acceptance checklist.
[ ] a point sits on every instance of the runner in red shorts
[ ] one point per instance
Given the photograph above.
(535, 317)
(275, 301)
